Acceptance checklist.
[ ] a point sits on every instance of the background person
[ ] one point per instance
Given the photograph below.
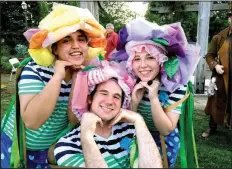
(112, 39)
(219, 60)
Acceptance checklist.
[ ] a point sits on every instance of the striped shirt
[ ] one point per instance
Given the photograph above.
(144, 107)
(32, 81)
(114, 149)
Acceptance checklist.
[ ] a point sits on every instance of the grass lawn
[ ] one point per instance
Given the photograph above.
(213, 152)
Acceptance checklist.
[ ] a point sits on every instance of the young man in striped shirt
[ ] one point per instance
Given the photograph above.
(108, 134)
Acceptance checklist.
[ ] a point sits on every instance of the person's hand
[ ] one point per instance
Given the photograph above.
(127, 116)
(153, 88)
(89, 122)
(212, 87)
(60, 67)
(219, 69)
(137, 93)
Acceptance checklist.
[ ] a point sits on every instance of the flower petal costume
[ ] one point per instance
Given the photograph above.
(62, 21)
(178, 60)
(132, 35)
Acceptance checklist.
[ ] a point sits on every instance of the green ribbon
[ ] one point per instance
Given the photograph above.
(188, 153)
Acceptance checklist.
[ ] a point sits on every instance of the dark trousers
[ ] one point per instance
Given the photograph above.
(212, 124)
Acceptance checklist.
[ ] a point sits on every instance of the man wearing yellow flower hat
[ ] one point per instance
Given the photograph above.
(58, 48)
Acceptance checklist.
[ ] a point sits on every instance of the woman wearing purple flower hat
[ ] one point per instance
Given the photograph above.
(162, 61)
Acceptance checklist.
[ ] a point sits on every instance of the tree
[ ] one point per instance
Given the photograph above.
(13, 25)
(14, 19)
(217, 23)
(117, 13)
(189, 20)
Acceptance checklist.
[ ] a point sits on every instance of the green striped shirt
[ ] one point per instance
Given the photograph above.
(32, 80)
(144, 107)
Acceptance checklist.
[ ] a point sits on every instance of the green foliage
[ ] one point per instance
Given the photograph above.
(5, 50)
(189, 20)
(5, 64)
(218, 22)
(117, 13)
(15, 18)
(73, 3)
(43, 9)
(21, 51)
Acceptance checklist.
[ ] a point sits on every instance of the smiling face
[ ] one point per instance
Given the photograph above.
(106, 102)
(72, 48)
(145, 66)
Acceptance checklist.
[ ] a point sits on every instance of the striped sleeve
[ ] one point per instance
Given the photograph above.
(30, 81)
(175, 97)
(68, 150)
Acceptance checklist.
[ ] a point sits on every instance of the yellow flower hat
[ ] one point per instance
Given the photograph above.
(60, 22)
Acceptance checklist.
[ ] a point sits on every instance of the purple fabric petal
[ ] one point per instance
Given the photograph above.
(122, 36)
(140, 29)
(177, 49)
(119, 56)
(29, 33)
(171, 84)
(189, 63)
(176, 38)
(187, 66)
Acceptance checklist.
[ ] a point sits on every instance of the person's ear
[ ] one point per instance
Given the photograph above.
(54, 49)
(89, 99)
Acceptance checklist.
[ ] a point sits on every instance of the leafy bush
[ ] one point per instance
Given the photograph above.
(5, 64)
(21, 51)
(5, 50)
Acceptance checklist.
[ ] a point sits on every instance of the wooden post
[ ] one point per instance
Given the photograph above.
(202, 40)
(92, 7)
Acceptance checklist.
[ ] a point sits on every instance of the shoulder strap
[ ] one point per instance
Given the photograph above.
(7, 115)
(188, 154)
(20, 125)
(174, 105)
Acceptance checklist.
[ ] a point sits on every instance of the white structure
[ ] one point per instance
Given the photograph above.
(202, 40)
(13, 62)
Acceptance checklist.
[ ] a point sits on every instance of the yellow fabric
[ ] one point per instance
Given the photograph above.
(59, 34)
(60, 22)
(94, 52)
(42, 56)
